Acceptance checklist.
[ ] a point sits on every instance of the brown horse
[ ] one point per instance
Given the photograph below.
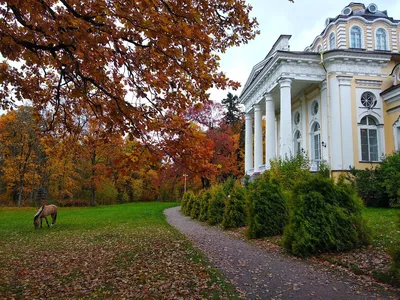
(43, 212)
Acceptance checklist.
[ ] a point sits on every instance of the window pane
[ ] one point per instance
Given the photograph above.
(373, 144)
(371, 121)
(355, 37)
(398, 138)
(364, 121)
(364, 145)
(381, 39)
(317, 147)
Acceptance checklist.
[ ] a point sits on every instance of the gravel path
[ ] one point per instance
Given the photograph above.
(264, 275)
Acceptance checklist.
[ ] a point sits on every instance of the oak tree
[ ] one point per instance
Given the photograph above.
(132, 64)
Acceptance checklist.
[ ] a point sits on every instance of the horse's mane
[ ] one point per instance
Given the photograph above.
(39, 212)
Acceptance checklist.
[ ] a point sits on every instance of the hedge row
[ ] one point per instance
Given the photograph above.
(313, 213)
(221, 204)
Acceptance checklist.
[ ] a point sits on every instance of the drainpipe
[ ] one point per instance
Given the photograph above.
(328, 113)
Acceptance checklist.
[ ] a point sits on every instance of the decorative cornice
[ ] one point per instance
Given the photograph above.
(285, 64)
(391, 96)
(374, 83)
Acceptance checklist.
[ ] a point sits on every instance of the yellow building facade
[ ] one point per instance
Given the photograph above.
(338, 101)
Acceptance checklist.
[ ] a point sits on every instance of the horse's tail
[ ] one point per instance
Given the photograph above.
(38, 212)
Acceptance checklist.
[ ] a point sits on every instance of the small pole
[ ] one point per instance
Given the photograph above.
(185, 175)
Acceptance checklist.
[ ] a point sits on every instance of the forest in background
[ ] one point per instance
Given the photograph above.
(92, 165)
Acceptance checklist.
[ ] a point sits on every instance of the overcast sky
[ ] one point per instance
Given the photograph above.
(304, 20)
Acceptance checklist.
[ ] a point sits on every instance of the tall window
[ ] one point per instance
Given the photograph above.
(398, 138)
(297, 142)
(369, 139)
(355, 37)
(380, 39)
(316, 143)
(332, 41)
(319, 48)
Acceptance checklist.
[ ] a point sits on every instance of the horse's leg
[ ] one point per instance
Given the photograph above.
(47, 222)
(53, 217)
(41, 222)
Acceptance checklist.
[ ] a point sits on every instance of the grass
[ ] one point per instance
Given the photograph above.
(103, 252)
(383, 222)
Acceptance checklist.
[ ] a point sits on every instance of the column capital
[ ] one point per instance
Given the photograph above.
(257, 107)
(248, 116)
(344, 80)
(268, 96)
(285, 82)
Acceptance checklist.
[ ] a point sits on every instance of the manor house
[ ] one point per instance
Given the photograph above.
(338, 101)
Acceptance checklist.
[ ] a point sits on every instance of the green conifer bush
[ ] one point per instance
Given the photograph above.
(205, 197)
(266, 202)
(195, 210)
(187, 202)
(324, 217)
(235, 208)
(216, 205)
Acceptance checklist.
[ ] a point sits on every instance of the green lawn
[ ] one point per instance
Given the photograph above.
(383, 222)
(111, 251)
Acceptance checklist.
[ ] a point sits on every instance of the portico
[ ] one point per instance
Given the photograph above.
(269, 93)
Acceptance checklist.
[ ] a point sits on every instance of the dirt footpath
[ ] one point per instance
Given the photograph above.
(263, 275)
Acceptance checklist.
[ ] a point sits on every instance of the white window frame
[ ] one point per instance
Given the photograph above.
(386, 39)
(315, 161)
(332, 41)
(396, 134)
(297, 142)
(361, 37)
(368, 127)
(320, 48)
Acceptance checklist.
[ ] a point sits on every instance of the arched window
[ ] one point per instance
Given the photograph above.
(319, 48)
(332, 41)
(380, 39)
(316, 143)
(297, 142)
(355, 37)
(369, 139)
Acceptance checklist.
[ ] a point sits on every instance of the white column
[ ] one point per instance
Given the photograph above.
(258, 152)
(286, 117)
(270, 132)
(335, 125)
(248, 150)
(303, 120)
(347, 122)
(324, 123)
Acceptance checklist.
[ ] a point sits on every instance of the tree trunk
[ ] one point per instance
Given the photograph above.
(92, 185)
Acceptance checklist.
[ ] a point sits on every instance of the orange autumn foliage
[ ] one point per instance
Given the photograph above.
(128, 63)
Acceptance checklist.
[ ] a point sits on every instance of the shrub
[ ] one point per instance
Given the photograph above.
(290, 170)
(187, 202)
(390, 176)
(324, 217)
(369, 187)
(216, 205)
(267, 208)
(235, 205)
(228, 185)
(205, 197)
(395, 253)
(195, 210)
